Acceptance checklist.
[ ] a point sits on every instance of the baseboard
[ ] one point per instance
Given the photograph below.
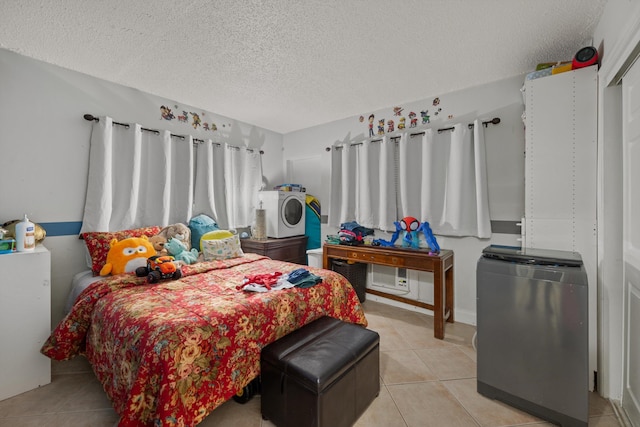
(621, 414)
(461, 316)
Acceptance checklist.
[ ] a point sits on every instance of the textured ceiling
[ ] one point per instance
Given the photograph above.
(286, 65)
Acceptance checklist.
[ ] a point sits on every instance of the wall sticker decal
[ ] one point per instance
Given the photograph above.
(191, 118)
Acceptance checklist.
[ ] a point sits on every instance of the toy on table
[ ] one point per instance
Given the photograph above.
(126, 255)
(394, 237)
(411, 227)
(430, 238)
(178, 249)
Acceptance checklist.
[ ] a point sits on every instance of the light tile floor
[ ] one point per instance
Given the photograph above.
(425, 382)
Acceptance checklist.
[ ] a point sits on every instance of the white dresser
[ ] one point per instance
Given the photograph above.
(25, 320)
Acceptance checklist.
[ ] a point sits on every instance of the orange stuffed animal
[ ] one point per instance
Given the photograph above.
(126, 255)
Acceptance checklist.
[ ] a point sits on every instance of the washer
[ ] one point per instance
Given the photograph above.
(533, 339)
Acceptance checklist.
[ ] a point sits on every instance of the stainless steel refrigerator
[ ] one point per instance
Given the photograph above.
(532, 334)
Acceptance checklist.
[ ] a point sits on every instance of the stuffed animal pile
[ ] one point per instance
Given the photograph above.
(127, 255)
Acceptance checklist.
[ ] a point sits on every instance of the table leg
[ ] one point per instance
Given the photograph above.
(448, 280)
(438, 302)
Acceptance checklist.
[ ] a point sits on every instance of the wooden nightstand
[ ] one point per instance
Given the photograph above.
(290, 249)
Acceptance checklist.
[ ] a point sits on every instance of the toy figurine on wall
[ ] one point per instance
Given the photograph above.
(381, 127)
(166, 113)
(390, 126)
(414, 120)
(371, 117)
(401, 123)
(425, 116)
(196, 120)
(411, 227)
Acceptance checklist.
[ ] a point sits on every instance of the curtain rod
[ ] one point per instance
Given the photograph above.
(493, 121)
(91, 118)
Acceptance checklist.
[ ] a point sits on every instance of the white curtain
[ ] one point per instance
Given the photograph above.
(209, 194)
(443, 180)
(140, 178)
(137, 178)
(440, 178)
(343, 178)
(243, 179)
(362, 184)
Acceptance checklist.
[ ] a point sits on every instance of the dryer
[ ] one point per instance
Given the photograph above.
(285, 212)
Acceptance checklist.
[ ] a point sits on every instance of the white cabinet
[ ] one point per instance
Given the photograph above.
(561, 160)
(25, 320)
(561, 172)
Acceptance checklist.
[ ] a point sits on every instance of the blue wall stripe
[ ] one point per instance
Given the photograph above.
(61, 228)
(73, 227)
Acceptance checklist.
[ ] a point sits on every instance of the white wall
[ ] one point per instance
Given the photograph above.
(44, 147)
(505, 164)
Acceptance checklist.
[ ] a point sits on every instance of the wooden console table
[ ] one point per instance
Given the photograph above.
(441, 265)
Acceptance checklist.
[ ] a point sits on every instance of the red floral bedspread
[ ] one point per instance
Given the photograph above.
(168, 354)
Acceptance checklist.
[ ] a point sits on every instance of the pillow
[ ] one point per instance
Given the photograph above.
(219, 249)
(97, 243)
(200, 225)
(215, 235)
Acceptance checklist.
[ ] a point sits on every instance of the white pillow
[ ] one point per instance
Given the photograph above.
(218, 249)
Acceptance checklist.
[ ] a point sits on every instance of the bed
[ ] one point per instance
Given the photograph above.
(168, 354)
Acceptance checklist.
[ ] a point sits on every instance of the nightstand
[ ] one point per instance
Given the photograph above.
(290, 249)
(25, 320)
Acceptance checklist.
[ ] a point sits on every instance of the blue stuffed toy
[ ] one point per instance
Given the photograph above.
(179, 251)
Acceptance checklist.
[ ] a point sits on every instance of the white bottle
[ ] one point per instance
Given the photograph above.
(25, 235)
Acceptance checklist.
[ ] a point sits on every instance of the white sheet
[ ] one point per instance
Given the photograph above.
(78, 284)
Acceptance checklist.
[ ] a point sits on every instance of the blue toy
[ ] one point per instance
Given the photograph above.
(179, 251)
(411, 227)
(430, 238)
(394, 237)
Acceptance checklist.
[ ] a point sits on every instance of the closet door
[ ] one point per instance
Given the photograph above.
(631, 242)
(560, 173)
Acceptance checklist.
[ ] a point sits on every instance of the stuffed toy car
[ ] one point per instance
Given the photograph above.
(158, 268)
(126, 255)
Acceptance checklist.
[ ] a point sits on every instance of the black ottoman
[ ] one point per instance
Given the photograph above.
(323, 375)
